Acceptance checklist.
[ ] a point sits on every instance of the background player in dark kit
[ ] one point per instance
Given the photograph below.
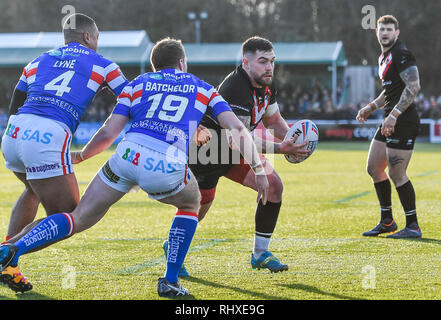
(393, 143)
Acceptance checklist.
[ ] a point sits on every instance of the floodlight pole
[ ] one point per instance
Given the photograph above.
(197, 22)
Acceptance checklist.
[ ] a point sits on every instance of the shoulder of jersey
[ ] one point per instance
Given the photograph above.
(78, 50)
(235, 85)
(401, 48)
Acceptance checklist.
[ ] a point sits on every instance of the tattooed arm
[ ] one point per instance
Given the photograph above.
(411, 78)
(366, 111)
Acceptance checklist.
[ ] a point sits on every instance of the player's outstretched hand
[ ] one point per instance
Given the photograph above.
(202, 136)
(76, 157)
(296, 150)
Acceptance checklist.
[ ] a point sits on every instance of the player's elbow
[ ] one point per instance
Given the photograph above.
(414, 87)
(107, 134)
(417, 87)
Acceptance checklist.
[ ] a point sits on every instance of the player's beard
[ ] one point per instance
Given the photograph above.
(389, 43)
(263, 81)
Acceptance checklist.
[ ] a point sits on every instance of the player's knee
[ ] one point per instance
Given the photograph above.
(398, 177)
(275, 188)
(203, 210)
(372, 170)
(207, 195)
(191, 203)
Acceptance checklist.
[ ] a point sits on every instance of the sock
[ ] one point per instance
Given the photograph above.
(384, 191)
(53, 228)
(265, 223)
(407, 198)
(179, 239)
(261, 245)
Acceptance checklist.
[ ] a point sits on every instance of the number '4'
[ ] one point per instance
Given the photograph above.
(62, 87)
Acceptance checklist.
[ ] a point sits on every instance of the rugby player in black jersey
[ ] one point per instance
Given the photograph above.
(252, 96)
(394, 141)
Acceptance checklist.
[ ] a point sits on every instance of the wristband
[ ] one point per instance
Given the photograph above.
(256, 165)
(392, 116)
(397, 110)
(374, 105)
(260, 172)
(81, 156)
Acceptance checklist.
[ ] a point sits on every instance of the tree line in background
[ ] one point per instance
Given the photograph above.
(236, 20)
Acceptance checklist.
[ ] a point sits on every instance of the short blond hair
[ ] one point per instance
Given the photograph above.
(388, 19)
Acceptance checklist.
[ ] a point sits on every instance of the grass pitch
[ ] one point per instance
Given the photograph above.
(328, 202)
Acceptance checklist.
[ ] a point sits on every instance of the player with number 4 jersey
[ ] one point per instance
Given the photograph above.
(61, 83)
(52, 94)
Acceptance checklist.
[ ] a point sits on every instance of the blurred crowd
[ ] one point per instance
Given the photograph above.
(317, 103)
(294, 103)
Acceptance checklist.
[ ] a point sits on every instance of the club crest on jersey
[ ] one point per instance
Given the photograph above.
(260, 105)
(383, 65)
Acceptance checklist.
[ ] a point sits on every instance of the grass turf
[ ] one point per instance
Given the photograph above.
(328, 202)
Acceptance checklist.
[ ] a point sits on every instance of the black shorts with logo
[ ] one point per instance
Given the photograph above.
(405, 133)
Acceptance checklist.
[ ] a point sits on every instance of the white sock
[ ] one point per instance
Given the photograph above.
(261, 245)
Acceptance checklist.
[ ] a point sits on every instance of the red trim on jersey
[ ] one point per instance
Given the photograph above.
(112, 75)
(136, 95)
(214, 95)
(97, 77)
(202, 98)
(387, 66)
(125, 95)
(185, 174)
(63, 151)
(31, 72)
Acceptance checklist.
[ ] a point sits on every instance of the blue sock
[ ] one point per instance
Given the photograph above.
(179, 239)
(55, 227)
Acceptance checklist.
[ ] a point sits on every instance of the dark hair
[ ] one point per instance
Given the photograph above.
(73, 30)
(166, 54)
(253, 44)
(388, 19)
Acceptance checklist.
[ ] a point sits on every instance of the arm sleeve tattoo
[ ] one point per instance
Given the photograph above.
(411, 78)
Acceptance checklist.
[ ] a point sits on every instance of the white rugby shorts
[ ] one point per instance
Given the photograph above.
(135, 165)
(37, 146)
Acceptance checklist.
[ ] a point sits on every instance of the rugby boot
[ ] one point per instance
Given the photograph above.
(171, 290)
(269, 261)
(12, 277)
(381, 228)
(182, 271)
(407, 233)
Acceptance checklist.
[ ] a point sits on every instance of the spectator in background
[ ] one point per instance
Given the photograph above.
(294, 102)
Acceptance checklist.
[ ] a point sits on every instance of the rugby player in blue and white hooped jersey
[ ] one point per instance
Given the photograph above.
(51, 96)
(165, 108)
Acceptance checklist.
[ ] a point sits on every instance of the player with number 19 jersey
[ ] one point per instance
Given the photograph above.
(61, 83)
(167, 107)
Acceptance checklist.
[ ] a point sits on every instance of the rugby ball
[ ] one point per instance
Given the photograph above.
(306, 130)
